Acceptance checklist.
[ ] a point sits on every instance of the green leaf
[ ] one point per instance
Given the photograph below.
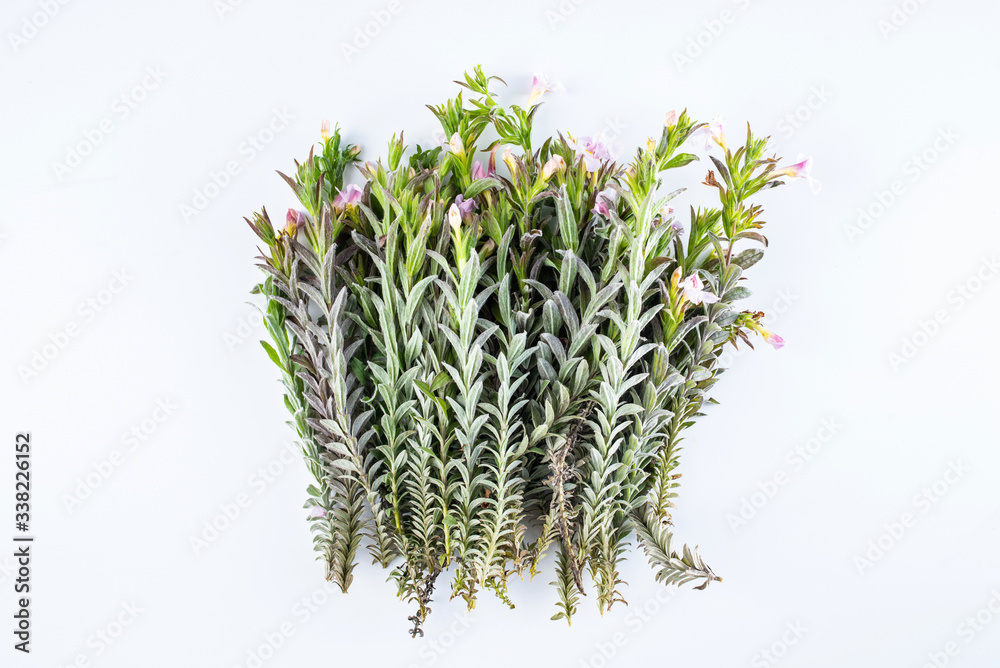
(480, 185)
(680, 160)
(748, 258)
(273, 355)
(735, 294)
(568, 225)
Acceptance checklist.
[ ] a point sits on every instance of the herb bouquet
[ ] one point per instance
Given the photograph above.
(487, 361)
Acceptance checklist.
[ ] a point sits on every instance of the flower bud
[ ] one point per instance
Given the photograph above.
(293, 219)
(508, 157)
(553, 165)
(455, 218)
(491, 164)
(671, 119)
(675, 278)
(603, 202)
(465, 207)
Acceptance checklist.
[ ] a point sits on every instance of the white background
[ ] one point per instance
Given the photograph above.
(865, 103)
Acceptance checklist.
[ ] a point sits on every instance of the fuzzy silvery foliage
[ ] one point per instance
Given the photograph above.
(490, 351)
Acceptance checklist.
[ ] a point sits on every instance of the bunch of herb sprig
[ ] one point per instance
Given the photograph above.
(486, 360)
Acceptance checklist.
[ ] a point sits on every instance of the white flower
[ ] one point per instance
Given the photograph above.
(694, 291)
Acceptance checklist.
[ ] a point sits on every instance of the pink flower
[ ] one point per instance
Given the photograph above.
(694, 291)
(349, 196)
(316, 513)
(324, 129)
(539, 86)
(800, 170)
(671, 119)
(477, 171)
(769, 336)
(593, 151)
(713, 132)
(605, 199)
(774, 340)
